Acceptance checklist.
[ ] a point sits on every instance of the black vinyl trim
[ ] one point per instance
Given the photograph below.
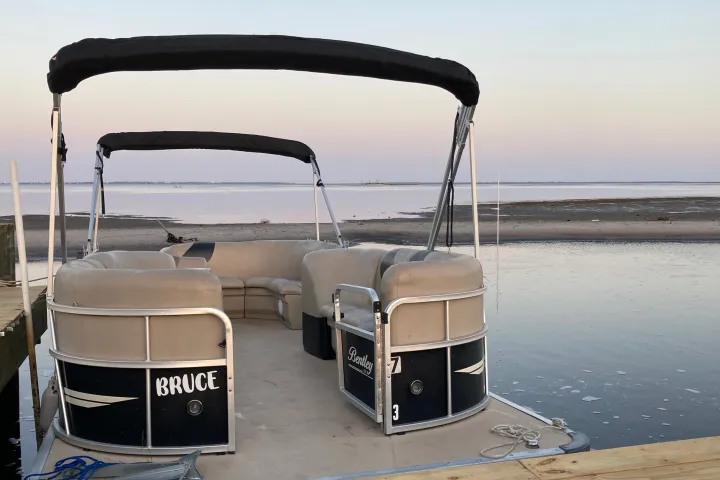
(96, 56)
(187, 140)
(579, 443)
(201, 249)
(317, 340)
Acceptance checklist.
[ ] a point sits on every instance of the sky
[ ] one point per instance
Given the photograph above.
(569, 91)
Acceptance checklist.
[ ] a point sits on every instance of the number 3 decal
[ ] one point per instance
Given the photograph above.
(396, 412)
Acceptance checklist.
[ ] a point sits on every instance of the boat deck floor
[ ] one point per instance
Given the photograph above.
(292, 421)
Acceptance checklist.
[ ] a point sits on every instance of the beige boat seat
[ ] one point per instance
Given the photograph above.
(393, 274)
(259, 278)
(138, 280)
(142, 345)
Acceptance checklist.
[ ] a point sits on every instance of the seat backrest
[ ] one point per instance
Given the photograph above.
(323, 270)
(406, 272)
(137, 280)
(119, 259)
(255, 258)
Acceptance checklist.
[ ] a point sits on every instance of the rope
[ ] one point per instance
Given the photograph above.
(15, 283)
(520, 434)
(72, 468)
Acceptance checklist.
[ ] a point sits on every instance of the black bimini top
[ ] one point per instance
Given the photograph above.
(179, 140)
(94, 56)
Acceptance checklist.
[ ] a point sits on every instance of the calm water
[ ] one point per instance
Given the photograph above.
(633, 325)
(247, 203)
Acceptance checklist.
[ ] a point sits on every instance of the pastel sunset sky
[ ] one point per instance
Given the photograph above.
(570, 90)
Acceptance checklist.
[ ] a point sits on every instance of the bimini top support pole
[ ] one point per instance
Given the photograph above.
(320, 184)
(462, 122)
(61, 202)
(55, 142)
(91, 240)
(473, 192)
(317, 218)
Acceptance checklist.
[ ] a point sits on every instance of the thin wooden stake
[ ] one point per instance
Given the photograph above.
(29, 328)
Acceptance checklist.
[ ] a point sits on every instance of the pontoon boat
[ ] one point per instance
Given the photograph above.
(150, 364)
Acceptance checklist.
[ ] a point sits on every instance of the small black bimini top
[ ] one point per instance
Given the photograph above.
(178, 140)
(94, 56)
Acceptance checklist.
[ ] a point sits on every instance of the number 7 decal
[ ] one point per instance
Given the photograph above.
(396, 365)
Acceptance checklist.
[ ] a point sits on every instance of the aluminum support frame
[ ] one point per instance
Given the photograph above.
(317, 218)
(65, 434)
(54, 142)
(388, 351)
(320, 184)
(384, 351)
(61, 208)
(465, 115)
(91, 245)
(473, 192)
(375, 413)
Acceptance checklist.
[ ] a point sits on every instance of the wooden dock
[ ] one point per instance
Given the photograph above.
(697, 459)
(13, 345)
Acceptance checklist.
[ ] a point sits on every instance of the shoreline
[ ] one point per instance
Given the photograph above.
(680, 219)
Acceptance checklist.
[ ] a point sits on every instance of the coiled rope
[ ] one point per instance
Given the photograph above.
(79, 467)
(520, 434)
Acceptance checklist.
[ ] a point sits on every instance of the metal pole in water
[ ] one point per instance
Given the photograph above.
(27, 306)
(497, 228)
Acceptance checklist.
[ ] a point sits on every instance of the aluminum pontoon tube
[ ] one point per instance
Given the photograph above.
(56, 132)
(464, 117)
(327, 202)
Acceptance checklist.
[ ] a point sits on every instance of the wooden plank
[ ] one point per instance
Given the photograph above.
(7, 253)
(626, 458)
(709, 470)
(13, 344)
(11, 304)
(495, 471)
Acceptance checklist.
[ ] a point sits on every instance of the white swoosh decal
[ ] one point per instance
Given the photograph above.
(90, 400)
(475, 369)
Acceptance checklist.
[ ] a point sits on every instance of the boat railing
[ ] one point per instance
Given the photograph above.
(171, 393)
(389, 358)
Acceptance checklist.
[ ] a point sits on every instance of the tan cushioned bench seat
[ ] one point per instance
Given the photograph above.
(260, 278)
(146, 280)
(393, 274)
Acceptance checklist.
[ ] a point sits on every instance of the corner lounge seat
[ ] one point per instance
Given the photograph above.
(137, 280)
(410, 337)
(137, 342)
(259, 278)
(393, 274)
